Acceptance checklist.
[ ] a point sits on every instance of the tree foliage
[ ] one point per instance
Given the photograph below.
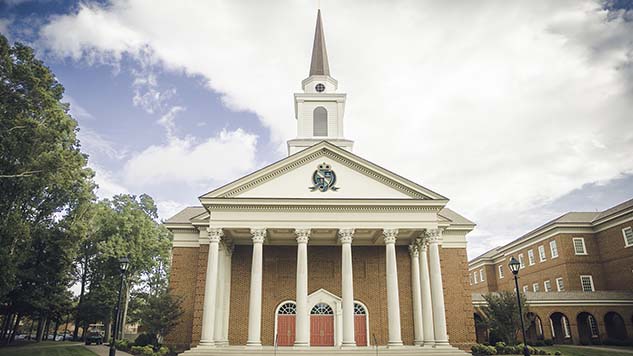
(501, 315)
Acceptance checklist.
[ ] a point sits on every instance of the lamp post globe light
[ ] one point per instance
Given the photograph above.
(124, 264)
(515, 266)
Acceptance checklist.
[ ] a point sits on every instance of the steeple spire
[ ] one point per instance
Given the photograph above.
(319, 64)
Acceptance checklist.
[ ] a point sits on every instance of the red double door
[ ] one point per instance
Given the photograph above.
(285, 330)
(360, 329)
(321, 330)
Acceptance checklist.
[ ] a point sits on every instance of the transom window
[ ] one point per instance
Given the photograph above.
(553, 249)
(288, 309)
(321, 309)
(541, 253)
(587, 283)
(579, 246)
(531, 257)
(627, 232)
(359, 309)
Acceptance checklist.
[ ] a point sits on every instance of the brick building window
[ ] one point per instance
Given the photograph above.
(531, 257)
(559, 285)
(587, 283)
(475, 275)
(566, 328)
(553, 249)
(627, 232)
(521, 262)
(470, 279)
(500, 271)
(536, 287)
(547, 285)
(579, 246)
(593, 325)
(525, 289)
(541, 253)
(481, 275)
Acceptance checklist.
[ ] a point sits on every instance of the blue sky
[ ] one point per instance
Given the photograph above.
(516, 118)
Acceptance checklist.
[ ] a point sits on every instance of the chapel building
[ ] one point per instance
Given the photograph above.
(322, 251)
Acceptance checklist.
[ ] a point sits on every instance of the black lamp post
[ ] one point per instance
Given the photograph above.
(514, 266)
(124, 263)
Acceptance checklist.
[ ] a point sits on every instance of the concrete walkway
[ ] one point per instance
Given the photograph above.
(103, 350)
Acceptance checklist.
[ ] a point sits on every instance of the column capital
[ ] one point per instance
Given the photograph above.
(345, 236)
(303, 235)
(390, 235)
(414, 250)
(433, 236)
(215, 234)
(259, 234)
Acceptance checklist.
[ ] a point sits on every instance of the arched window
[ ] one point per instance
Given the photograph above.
(321, 309)
(319, 120)
(287, 309)
(359, 309)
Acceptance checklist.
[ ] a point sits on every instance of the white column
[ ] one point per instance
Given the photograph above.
(427, 305)
(208, 310)
(219, 297)
(415, 288)
(302, 320)
(437, 291)
(393, 299)
(255, 300)
(227, 296)
(347, 280)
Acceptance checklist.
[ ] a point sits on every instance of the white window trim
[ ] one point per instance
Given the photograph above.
(535, 287)
(558, 285)
(626, 244)
(476, 277)
(593, 289)
(531, 259)
(525, 289)
(551, 250)
(481, 275)
(566, 327)
(521, 261)
(584, 247)
(542, 256)
(500, 269)
(545, 283)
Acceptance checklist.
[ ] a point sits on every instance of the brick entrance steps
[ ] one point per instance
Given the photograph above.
(289, 351)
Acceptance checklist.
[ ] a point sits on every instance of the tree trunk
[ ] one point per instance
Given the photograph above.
(124, 317)
(15, 329)
(108, 328)
(56, 327)
(66, 328)
(40, 329)
(83, 331)
(84, 277)
(31, 328)
(47, 327)
(6, 325)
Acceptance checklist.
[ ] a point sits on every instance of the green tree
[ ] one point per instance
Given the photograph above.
(43, 174)
(160, 313)
(502, 315)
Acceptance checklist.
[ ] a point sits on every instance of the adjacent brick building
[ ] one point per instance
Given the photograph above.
(577, 276)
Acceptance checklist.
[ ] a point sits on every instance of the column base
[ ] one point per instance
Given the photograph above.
(428, 344)
(301, 345)
(441, 344)
(418, 343)
(207, 343)
(395, 344)
(254, 344)
(347, 344)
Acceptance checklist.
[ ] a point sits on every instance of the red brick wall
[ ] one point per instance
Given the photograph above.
(457, 297)
(617, 260)
(183, 284)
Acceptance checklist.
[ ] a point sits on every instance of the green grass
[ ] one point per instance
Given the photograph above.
(47, 349)
(580, 351)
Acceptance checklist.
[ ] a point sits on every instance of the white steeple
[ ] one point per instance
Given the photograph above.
(319, 110)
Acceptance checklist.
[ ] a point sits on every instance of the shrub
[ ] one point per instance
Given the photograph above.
(539, 343)
(480, 349)
(557, 353)
(123, 344)
(548, 342)
(145, 339)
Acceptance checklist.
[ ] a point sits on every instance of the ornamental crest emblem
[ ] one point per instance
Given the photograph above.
(324, 178)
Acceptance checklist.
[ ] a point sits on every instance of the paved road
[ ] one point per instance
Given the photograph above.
(103, 350)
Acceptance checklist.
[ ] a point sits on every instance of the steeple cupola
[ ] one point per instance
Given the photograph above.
(319, 110)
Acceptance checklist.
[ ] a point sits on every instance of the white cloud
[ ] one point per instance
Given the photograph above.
(77, 111)
(4, 26)
(502, 106)
(168, 208)
(96, 145)
(184, 160)
(107, 183)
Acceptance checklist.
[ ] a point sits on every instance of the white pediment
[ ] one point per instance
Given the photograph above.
(292, 178)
